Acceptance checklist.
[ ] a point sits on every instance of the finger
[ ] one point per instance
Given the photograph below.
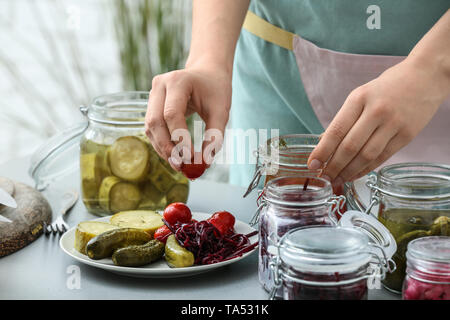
(156, 128)
(336, 131)
(214, 132)
(394, 145)
(175, 108)
(351, 145)
(369, 152)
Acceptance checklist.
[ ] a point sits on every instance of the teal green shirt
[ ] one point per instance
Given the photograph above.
(267, 89)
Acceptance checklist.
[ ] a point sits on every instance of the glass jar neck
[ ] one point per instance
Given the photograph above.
(416, 181)
(289, 152)
(298, 191)
(428, 271)
(331, 278)
(125, 109)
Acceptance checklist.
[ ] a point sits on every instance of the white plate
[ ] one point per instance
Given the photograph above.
(158, 269)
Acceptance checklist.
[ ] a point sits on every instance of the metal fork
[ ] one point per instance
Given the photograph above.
(59, 225)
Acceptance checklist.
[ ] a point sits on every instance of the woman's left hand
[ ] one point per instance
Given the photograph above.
(378, 119)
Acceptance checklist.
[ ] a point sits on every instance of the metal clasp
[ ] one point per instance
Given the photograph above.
(374, 194)
(336, 204)
(274, 266)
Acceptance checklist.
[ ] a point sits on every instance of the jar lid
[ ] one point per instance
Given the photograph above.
(57, 157)
(433, 249)
(325, 249)
(381, 239)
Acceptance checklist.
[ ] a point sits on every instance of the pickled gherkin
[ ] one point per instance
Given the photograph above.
(407, 225)
(126, 173)
(129, 158)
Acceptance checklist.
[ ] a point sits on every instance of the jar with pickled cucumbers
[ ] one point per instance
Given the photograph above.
(414, 202)
(119, 169)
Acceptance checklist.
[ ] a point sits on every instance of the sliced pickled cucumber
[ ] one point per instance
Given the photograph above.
(129, 158)
(91, 175)
(87, 230)
(135, 256)
(152, 198)
(147, 220)
(176, 255)
(103, 245)
(116, 195)
(162, 178)
(178, 193)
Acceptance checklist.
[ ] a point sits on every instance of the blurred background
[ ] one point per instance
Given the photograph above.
(59, 54)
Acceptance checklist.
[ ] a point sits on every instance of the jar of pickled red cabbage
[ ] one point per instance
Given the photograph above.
(428, 269)
(119, 168)
(287, 203)
(413, 202)
(286, 155)
(332, 262)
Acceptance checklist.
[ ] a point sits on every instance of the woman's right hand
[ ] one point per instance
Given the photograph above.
(178, 94)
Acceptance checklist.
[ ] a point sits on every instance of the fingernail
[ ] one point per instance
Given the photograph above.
(174, 163)
(326, 177)
(314, 164)
(338, 181)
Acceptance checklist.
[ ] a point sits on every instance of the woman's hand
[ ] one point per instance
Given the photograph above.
(178, 94)
(378, 119)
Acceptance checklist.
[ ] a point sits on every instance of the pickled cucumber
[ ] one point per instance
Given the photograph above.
(131, 185)
(103, 245)
(116, 195)
(176, 255)
(91, 175)
(87, 230)
(129, 158)
(146, 220)
(178, 193)
(135, 256)
(162, 178)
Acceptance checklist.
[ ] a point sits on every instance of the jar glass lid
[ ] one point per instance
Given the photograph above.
(434, 249)
(58, 157)
(381, 239)
(325, 249)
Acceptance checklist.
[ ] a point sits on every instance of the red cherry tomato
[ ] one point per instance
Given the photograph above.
(223, 221)
(193, 170)
(162, 233)
(177, 212)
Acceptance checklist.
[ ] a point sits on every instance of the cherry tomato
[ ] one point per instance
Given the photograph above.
(162, 233)
(177, 212)
(193, 170)
(223, 221)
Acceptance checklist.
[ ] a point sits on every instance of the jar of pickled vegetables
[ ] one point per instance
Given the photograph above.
(287, 203)
(286, 155)
(428, 269)
(332, 262)
(413, 202)
(119, 168)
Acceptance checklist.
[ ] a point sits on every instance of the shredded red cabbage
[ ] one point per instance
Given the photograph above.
(207, 244)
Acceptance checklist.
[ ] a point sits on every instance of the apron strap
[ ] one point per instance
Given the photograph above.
(267, 31)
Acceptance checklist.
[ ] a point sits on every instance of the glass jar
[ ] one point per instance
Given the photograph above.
(119, 168)
(428, 269)
(413, 202)
(333, 262)
(286, 155)
(287, 203)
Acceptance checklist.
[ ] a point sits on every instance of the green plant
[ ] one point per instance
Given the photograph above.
(151, 39)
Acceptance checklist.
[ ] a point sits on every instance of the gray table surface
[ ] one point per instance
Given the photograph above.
(41, 270)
